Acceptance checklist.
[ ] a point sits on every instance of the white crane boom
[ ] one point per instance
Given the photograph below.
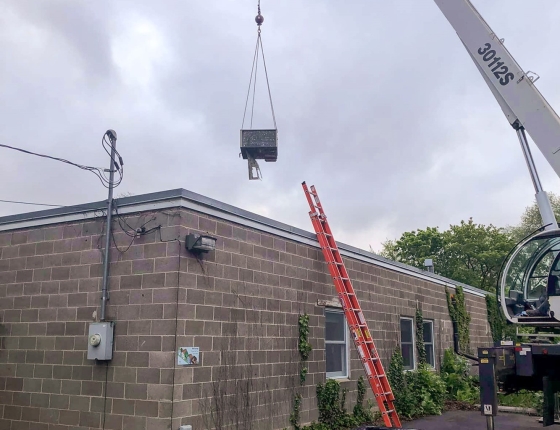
(522, 103)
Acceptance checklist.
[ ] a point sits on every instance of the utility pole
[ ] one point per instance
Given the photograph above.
(105, 292)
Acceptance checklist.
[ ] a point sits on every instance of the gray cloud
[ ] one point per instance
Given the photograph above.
(377, 104)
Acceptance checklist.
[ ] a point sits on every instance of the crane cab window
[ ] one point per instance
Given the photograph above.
(532, 276)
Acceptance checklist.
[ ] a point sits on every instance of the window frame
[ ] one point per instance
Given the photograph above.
(345, 374)
(413, 343)
(432, 344)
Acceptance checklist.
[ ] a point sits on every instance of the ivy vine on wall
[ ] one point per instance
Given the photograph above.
(458, 313)
(304, 348)
(499, 327)
(420, 348)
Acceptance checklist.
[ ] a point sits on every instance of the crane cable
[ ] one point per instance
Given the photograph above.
(259, 20)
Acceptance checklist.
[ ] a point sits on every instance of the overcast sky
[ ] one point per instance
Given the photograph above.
(377, 103)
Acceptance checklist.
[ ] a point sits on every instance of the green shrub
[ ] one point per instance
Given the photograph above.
(417, 393)
(427, 391)
(362, 414)
(332, 411)
(330, 402)
(458, 382)
(316, 426)
(523, 399)
(398, 384)
(538, 402)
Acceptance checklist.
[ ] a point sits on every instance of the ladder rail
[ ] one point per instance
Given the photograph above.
(355, 319)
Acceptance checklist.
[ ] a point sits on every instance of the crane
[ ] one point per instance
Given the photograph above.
(527, 294)
(529, 291)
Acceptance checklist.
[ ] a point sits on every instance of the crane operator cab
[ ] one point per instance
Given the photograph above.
(530, 281)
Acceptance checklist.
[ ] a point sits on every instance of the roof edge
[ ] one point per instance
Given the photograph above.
(197, 202)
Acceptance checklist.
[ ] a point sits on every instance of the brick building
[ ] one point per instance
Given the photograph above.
(238, 304)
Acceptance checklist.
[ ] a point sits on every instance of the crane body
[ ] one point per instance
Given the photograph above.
(514, 89)
(526, 110)
(529, 290)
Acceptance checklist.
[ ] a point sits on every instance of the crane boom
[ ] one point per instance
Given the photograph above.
(521, 102)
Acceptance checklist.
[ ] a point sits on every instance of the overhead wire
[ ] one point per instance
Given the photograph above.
(88, 207)
(32, 204)
(119, 168)
(97, 171)
(132, 232)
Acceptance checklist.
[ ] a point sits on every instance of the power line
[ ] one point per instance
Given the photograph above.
(33, 204)
(99, 172)
(88, 208)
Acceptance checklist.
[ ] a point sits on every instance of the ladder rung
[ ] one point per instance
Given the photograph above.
(363, 339)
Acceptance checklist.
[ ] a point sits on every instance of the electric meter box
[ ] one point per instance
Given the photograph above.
(260, 144)
(100, 341)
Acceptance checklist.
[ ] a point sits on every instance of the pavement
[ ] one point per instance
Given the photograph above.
(473, 420)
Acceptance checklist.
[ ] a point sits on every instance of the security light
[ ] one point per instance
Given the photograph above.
(200, 243)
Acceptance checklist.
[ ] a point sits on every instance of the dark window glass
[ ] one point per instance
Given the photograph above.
(429, 342)
(407, 343)
(336, 346)
(406, 331)
(334, 326)
(335, 355)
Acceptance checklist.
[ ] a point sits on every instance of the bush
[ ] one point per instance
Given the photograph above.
(427, 391)
(361, 413)
(398, 384)
(523, 399)
(332, 411)
(459, 384)
(417, 393)
(330, 404)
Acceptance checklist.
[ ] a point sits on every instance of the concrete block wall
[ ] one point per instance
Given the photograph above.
(239, 305)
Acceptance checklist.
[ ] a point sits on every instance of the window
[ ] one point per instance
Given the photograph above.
(429, 342)
(336, 344)
(407, 342)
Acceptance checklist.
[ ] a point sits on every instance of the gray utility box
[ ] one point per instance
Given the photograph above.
(100, 341)
(260, 144)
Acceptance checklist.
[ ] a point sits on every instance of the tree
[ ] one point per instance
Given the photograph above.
(466, 252)
(531, 219)
(414, 247)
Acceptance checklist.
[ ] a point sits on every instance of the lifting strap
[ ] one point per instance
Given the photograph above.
(258, 48)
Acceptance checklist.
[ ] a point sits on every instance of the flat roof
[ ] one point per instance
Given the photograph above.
(199, 203)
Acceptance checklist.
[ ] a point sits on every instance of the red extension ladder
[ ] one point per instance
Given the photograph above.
(354, 316)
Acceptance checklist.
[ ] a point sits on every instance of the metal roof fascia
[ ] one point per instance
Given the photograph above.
(206, 205)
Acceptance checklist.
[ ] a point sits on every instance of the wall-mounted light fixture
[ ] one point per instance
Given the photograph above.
(200, 243)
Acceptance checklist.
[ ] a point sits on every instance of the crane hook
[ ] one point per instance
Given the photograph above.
(259, 19)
